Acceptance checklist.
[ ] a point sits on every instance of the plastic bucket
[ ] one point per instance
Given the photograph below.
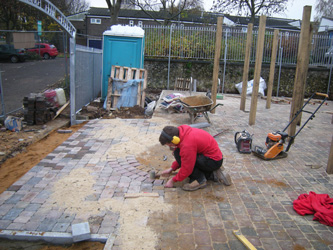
(61, 97)
(51, 97)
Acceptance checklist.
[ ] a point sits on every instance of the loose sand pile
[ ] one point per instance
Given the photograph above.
(70, 193)
(143, 145)
(132, 141)
(134, 212)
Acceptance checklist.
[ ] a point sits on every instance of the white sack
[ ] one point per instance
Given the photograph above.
(261, 91)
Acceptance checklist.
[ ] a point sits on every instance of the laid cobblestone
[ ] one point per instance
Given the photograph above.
(259, 203)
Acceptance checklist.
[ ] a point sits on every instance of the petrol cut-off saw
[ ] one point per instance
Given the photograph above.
(275, 140)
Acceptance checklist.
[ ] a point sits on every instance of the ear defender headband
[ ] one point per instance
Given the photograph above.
(174, 139)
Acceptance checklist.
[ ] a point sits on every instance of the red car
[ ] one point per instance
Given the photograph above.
(45, 50)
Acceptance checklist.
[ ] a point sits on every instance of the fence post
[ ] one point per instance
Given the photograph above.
(257, 70)
(329, 168)
(330, 61)
(217, 59)
(169, 57)
(72, 81)
(246, 65)
(301, 69)
(280, 64)
(64, 38)
(2, 100)
(272, 69)
(225, 58)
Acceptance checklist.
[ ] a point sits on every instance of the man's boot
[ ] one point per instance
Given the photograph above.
(221, 177)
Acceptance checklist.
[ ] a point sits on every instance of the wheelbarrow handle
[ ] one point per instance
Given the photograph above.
(215, 106)
(322, 94)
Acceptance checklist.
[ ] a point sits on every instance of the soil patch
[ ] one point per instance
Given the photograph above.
(14, 168)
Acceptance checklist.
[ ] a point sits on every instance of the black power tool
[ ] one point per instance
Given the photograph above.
(243, 142)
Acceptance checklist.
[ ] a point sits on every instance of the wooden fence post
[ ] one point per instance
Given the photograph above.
(272, 69)
(246, 65)
(217, 60)
(257, 70)
(301, 69)
(329, 168)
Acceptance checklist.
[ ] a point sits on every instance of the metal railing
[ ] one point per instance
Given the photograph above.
(198, 43)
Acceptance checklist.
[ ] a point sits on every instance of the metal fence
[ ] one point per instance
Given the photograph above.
(88, 73)
(198, 43)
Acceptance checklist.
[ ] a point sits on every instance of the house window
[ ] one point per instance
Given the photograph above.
(140, 23)
(95, 21)
(131, 23)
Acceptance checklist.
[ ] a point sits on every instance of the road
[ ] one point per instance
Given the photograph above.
(21, 79)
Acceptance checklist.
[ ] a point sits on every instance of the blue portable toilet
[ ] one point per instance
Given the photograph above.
(122, 46)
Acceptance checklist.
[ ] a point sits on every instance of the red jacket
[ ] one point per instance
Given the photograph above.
(194, 141)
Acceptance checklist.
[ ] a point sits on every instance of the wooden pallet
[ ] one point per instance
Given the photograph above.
(183, 84)
(124, 74)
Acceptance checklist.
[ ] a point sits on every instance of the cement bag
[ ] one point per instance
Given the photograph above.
(261, 91)
(13, 123)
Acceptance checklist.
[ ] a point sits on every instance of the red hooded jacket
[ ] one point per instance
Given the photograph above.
(194, 141)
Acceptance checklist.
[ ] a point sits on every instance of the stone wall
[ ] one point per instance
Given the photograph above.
(317, 78)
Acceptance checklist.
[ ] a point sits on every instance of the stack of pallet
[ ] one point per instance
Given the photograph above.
(37, 110)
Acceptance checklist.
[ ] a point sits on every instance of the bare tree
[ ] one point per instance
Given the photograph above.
(69, 7)
(77, 6)
(324, 8)
(250, 7)
(114, 8)
(166, 9)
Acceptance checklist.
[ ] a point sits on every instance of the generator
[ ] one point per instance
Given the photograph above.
(243, 142)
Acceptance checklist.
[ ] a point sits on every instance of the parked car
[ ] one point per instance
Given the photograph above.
(7, 51)
(329, 55)
(45, 50)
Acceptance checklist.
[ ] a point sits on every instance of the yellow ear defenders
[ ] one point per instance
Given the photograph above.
(174, 139)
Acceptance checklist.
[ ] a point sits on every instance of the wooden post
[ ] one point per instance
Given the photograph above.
(257, 70)
(301, 69)
(272, 69)
(217, 60)
(246, 65)
(329, 168)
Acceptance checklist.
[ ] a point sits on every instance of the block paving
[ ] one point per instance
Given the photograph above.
(259, 203)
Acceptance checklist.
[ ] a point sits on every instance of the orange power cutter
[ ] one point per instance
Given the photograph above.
(274, 141)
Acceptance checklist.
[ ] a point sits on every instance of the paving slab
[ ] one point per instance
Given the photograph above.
(96, 169)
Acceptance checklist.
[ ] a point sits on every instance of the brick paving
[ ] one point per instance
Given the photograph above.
(259, 203)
